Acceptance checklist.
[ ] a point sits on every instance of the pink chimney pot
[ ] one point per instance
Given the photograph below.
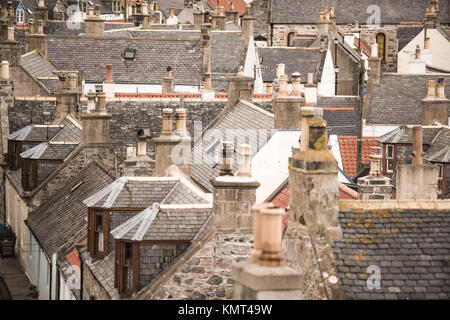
(271, 217)
(256, 251)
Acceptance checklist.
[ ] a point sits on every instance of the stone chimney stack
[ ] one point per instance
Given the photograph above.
(168, 82)
(233, 196)
(311, 91)
(240, 87)
(94, 24)
(67, 95)
(36, 40)
(172, 147)
(286, 108)
(313, 185)
(96, 127)
(374, 65)
(332, 18)
(247, 22)
(199, 19)
(375, 186)
(232, 15)
(323, 25)
(435, 107)
(205, 47)
(431, 18)
(417, 181)
(220, 18)
(6, 103)
(265, 277)
(108, 84)
(139, 164)
(41, 12)
(145, 16)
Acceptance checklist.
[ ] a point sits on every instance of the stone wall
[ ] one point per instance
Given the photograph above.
(153, 259)
(25, 85)
(26, 111)
(261, 11)
(91, 287)
(281, 31)
(207, 273)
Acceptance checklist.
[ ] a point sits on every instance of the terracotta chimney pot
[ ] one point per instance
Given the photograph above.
(296, 84)
(226, 167)
(283, 85)
(167, 122)
(417, 145)
(5, 70)
(244, 161)
(271, 238)
(109, 72)
(427, 43)
(440, 88)
(431, 89)
(180, 120)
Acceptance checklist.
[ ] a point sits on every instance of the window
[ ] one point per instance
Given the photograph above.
(98, 88)
(440, 175)
(83, 7)
(389, 158)
(381, 42)
(14, 149)
(127, 267)
(28, 174)
(130, 54)
(290, 39)
(30, 253)
(98, 228)
(116, 6)
(20, 16)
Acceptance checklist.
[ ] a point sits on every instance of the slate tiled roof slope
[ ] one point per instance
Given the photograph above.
(49, 151)
(103, 269)
(348, 148)
(348, 11)
(239, 119)
(37, 66)
(295, 60)
(64, 214)
(405, 34)
(63, 28)
(150, 65)
(71, 131)
(403, 134)
(411, 247)
(341, 114)
(397, 98)
(35, 133)
(439, 151)
(154, 34)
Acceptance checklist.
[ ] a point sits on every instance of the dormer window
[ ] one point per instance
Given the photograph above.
(14, 149)
(116, 6)
(29, 174)
(20, 14)
(98, 231)
(130, 54)
(83, 7)
(127, 267)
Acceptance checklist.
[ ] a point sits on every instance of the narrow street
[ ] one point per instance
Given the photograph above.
(13, 281)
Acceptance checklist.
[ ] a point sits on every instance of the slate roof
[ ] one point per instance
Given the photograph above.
(348, 147)
(141, 192)
(149, 66)
(295, 60)
(397, 98)
(164, 224)
(38, 66)
(405, 34)
(49, 151)
(439, 151)
(37, 133)
(154, 34)
(65, 214)
(410, 247)
(341, 121)
(348, 11)
(403, 134)
(63, 28)
(103, 269)
(71, 131)
(244, 116)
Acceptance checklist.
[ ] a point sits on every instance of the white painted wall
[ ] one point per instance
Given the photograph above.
(377, 130)
(139, 88)
(326, 86)
(439, 47)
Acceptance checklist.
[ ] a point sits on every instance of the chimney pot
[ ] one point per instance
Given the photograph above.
(101, 102)
(440, 88)
(431, 89)
(109, 72)
(269, 88)
(375, 163)
(283, 85)
(417, 52)
(167, 122)
(11, 33)
(226, 167)
(181, 122)
(5, 70)
(427, 43)
(31, 28)
(280, 70)
(172, 12)
(310, 78)
(244, 161)
(91, 12)
(307, 114)
(417, 145)
(317, 135)
(296, 84)
(271, 236)
(97, 10)
(208, 80)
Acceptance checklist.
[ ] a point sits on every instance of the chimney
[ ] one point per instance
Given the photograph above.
(207, 93)
(91, 96)
(374, 65)
(96, 127)
(6, 103)
(435, 108)
(296, 86)
(41, 12)
(323, 25)
(244, 169)
(38, 40)
(307, 114)
(172, 19)
(233, 196)
(145, 16)
(375, 186)
(220, 18)
(417, 181)
(108, 84)
(94, 25)
(168, 82)
(310, 91)
(247, 22)
(240, 87)
(313, 185)
(265, 277)
(431, 18)
(139, 165)
(172, 148)
(199, 18)
(67, 95)
(426, 53)
(131, 156)
(205, 47)
(286, 108)
(232, 15)
(332, 18)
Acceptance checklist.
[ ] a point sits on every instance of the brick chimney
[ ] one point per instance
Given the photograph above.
(6, 103)
(41, 11)
(168, 82)
(240, 87)
(108, 84)
(375, 186)
(313, 185)
(207, 93)
(67, 95)
(435, 105)
(310, 91)
(266, 277)
(426, 53)
(286, 107)
(233, 195)
(94, 25)
(417, 181)
(96, 124)
(38, 40)
(172, 147)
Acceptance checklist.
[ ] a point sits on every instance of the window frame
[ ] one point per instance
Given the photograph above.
(383, 53)
(29, 171)
(389, 158)
(116, 6)
(14, 151)
(93, 233)
(20, 16)
(440, 175)
(122, 268)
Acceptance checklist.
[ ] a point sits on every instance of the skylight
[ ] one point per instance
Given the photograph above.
(130, 54)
